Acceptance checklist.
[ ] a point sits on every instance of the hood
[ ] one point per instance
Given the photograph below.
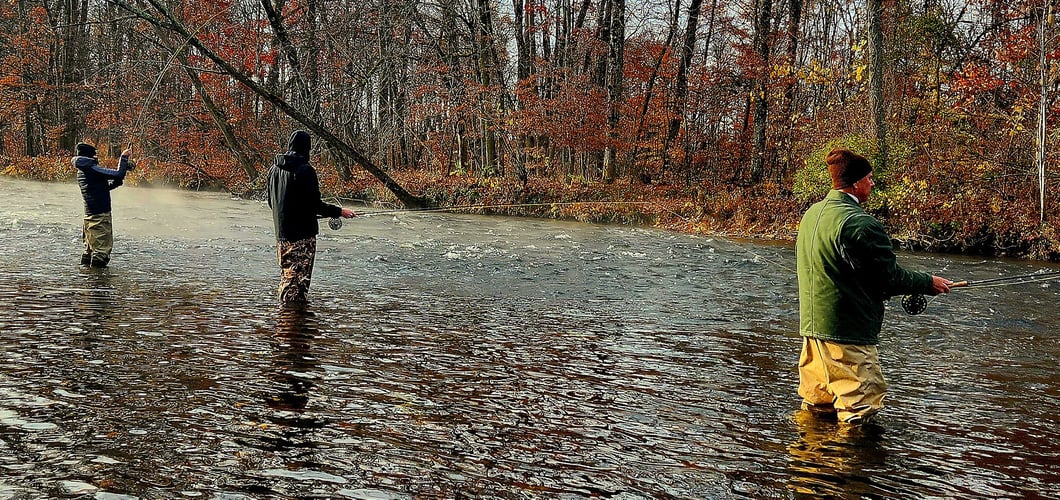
(300, 143)
(84, 149)
(84, 161)
(290, 161)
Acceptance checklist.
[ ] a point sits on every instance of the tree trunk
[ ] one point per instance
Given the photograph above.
(72, 69)
(1045, 83)
(876, 102)
(169, 22)
(791, 92)
(30, 140)
(615, 82)
(523, 40)
(761, 87)
(681, 85)
(650, 90)
(488, 68)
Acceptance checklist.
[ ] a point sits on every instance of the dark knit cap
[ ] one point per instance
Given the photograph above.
(846, 167)
(85, 150)
(300, 142)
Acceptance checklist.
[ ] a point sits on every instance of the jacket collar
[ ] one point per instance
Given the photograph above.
(838, 195)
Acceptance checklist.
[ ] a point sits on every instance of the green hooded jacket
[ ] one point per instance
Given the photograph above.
(847, 269)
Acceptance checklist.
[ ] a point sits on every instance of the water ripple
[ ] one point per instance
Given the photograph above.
(448, 356)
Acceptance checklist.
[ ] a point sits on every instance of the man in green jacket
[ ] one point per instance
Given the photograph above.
(847, 269)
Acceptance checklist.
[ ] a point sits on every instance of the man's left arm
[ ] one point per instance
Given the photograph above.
(323, 209)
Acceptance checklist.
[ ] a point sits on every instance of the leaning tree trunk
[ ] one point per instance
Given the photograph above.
(171, 23)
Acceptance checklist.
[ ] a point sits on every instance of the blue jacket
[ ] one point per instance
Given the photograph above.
(97, 181)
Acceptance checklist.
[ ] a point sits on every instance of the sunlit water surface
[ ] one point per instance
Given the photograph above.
(450, 356)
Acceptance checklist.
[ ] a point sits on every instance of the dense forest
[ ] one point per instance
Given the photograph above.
(713, 116)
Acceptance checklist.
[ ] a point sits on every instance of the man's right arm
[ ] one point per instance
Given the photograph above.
(119, 173)
(872, 255)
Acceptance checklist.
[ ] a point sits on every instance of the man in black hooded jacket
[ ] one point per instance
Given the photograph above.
(294, 196)
(96, 182)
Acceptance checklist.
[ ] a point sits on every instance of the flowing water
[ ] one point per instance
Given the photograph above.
(456, 356)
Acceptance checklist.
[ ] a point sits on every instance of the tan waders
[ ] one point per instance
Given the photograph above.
(98, 235)
(841, 378)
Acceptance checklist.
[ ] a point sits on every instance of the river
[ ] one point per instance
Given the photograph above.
(457, 356)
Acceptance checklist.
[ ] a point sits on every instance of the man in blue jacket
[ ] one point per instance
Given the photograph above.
(847, 269)
(96, 182)
(294, 196)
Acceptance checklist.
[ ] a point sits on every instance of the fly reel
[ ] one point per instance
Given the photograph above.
(335, 223)
(914, 304)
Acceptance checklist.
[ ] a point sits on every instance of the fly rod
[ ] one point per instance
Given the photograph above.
(461, 208)
(336, 223)
(916, 303)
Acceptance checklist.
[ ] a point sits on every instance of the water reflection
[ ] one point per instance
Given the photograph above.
(834, 459)
(292, 374)
(94, 300)
(296, 327)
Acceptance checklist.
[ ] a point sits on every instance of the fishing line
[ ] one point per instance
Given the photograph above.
(731, 242)
(565, 203)
(501, 205)
(1012, 280)
(137, 124)
(552, 204)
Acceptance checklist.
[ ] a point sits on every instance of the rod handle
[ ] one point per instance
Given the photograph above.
(958, 284)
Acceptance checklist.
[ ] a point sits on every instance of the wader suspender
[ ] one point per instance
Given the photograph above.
(813, 283)
(817, 344)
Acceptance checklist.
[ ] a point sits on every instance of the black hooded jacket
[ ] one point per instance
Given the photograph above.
(96, 182)
(294, 193)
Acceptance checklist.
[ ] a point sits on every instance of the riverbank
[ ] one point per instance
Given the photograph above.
(766, 211)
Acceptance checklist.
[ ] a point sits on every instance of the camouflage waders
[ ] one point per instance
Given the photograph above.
(98, 235)
(296, 269)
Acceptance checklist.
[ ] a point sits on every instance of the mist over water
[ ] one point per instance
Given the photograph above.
(453, 356)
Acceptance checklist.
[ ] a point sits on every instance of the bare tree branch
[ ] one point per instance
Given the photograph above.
(169, 22)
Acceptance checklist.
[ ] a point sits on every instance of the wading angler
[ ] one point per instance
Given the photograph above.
(847, 268)
(96, 182)
(294, 196)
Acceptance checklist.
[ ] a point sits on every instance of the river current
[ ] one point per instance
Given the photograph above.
(462, 356)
